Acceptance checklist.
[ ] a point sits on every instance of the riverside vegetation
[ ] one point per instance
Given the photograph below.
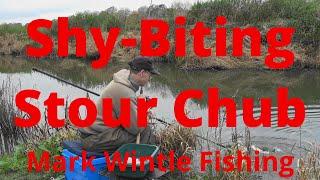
(303, 15)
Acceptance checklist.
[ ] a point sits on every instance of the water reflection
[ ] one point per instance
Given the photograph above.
(309, 128)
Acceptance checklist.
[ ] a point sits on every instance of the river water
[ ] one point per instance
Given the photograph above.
(304, 84)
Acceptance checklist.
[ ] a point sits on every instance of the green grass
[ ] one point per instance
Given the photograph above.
(12, 28)
(14, 165)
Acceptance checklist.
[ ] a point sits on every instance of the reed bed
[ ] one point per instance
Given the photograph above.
(15, 142)
(183, 141)
(309, 165)
(9, 133)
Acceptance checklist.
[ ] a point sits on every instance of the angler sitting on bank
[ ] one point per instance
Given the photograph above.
(125, 84)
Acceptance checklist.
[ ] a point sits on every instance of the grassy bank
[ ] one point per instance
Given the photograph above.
(303, 15)
(14, 165)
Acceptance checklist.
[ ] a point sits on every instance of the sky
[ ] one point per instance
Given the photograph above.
(24, 11)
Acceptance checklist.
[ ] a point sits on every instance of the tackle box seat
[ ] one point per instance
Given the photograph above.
(73, 149)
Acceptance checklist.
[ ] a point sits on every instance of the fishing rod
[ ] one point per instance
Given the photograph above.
(84, 89)
(67, 82)
(141, 91)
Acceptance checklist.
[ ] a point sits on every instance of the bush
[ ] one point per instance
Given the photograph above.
(304, 15)
(12, 28)
(17, 161)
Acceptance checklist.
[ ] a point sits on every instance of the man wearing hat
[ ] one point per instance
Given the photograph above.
(125, 84)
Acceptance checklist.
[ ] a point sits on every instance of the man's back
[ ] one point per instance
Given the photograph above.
(119, 87)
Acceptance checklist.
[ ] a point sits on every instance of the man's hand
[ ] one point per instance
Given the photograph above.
(141, 96)
(150, 113)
